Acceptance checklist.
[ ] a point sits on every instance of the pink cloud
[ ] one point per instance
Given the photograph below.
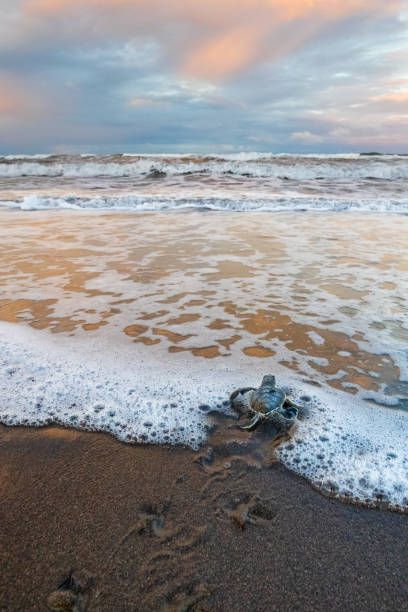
(220, 37)
(396, 96)
(18, 101)
(7, 103)
(11, 99)
(224, 55)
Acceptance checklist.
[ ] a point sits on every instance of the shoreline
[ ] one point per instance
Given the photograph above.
(107, 325)
(151, 527)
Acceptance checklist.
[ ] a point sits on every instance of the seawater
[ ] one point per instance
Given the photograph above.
(139, 324)
(242, 182)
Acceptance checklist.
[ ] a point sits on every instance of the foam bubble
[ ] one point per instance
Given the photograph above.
(42, 383)
(352, 450)
(154, 203)
(345, 447)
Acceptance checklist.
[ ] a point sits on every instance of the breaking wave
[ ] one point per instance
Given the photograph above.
(249, 164)
(150, 203)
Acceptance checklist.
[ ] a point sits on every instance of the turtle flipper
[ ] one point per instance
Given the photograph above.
(253, 423)
(292, 403)
(240, 391)
(240, 400)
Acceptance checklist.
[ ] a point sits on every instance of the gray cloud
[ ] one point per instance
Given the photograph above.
(113, 84)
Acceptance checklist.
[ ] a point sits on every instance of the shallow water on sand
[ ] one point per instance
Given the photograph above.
(327, 296)
(219, 298)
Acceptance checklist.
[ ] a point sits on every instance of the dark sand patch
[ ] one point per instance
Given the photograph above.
(228, 341)
(208, 352)
(171, 336)
(115, 274)
(259, 351)
(152, 528)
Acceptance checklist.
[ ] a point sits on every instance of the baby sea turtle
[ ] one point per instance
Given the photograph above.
(268, 402)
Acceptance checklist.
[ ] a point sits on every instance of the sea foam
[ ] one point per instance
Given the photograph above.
(235, 182)
(301, 168)
(346, 447)
(353, 450)
(155, 203)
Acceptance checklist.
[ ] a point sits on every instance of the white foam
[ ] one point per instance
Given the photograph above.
(152, 203)
(238, 182)
(316, 338)
(352, 449)
(43, 382)
(347, 447)
(255, 165)
(25, 157)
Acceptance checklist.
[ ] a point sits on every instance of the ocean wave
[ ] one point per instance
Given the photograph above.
(150, 203)
(245, 165)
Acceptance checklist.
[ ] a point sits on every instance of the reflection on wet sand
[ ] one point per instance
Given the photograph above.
(323, 294)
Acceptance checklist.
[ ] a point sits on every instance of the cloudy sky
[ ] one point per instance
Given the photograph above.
(105, 76)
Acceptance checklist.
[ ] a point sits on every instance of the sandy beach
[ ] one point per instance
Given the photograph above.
(106, 327)
(152, 528)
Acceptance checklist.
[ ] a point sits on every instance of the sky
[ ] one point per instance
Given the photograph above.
(202, 76)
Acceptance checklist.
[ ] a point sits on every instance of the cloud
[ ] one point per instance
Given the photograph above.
(397, 96)
(396, 82)
(17, 100)
(207, 40)
(151, 75)
(340, 133)
(224, 55)
(137, 102)
(306, 137)
(7, 103)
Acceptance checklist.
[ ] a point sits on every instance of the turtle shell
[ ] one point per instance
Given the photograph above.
(265, 399)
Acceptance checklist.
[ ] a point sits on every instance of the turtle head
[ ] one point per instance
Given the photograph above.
(269, 381)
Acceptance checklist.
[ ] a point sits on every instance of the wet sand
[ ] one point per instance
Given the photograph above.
(149, 528)
(301, 290)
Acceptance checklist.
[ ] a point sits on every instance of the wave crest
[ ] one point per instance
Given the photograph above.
(254, 165)
(146, 203)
